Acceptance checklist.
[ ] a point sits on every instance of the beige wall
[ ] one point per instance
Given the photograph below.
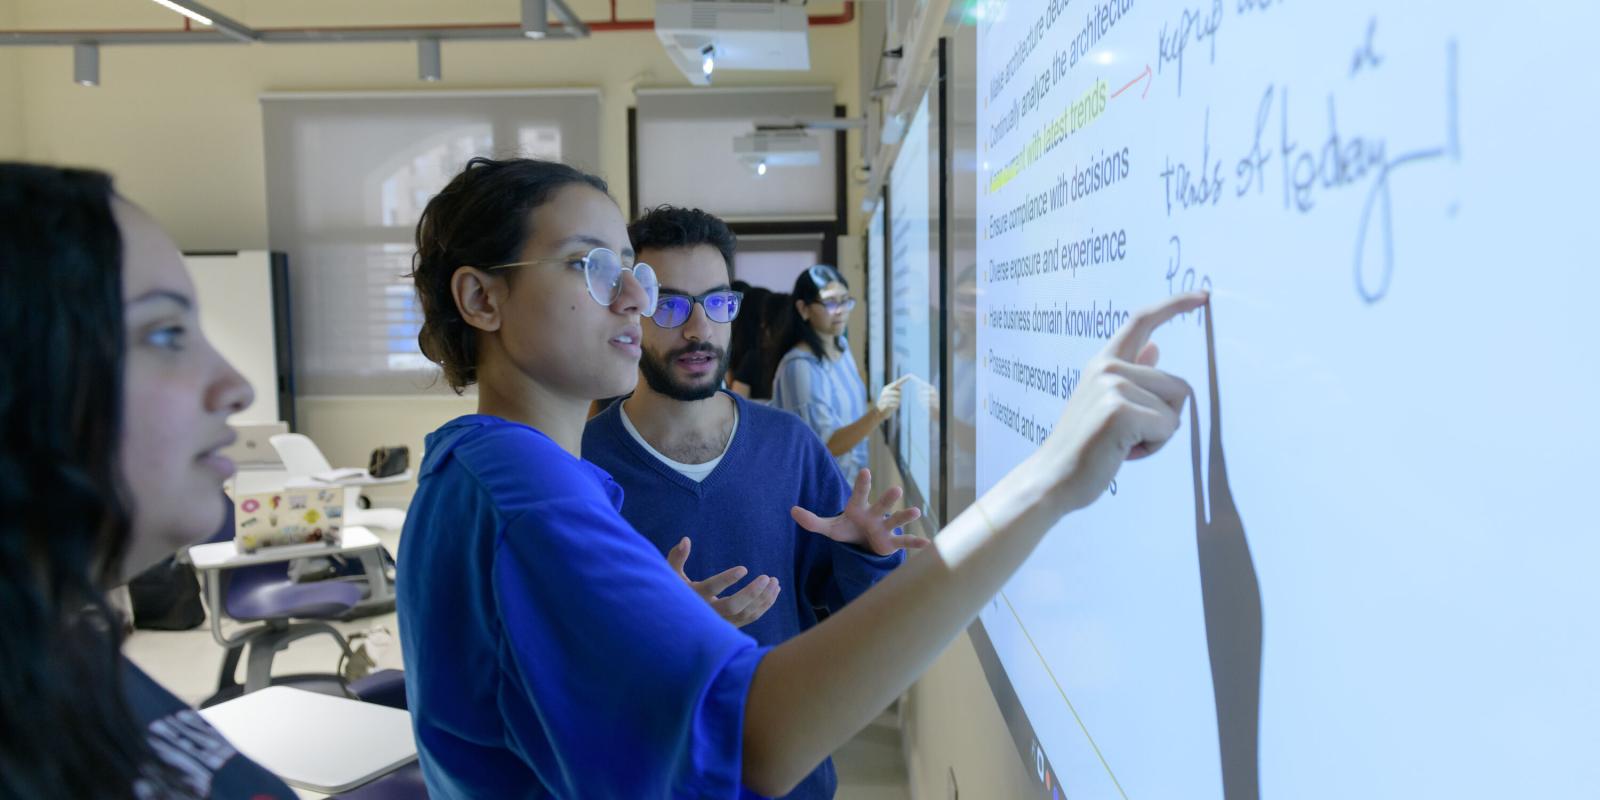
(10, 92)
(951, 724)
(11, 146)
(949, 719)
(348, 428)
(180, 126)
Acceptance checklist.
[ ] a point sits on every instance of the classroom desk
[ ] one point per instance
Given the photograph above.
(208, 559)
(354, 514)
(351, 481)
(225, 555)
(315, 741)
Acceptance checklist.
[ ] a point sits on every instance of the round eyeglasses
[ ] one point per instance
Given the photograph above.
(602, 272)
(721, 305)
(835, 306)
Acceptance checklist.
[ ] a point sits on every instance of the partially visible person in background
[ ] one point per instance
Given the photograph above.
(113, 412)
(816, 376)
(761, 369)
(748, 348)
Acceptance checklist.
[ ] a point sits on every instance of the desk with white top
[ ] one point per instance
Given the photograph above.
(355, 540)
(226, 555)
(315, 741)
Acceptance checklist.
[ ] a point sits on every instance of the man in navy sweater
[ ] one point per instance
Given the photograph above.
(750, 484)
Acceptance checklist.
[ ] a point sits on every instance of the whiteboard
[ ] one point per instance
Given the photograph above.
(877, 326)
(1388, 587)
(236, 313)
(913, 258)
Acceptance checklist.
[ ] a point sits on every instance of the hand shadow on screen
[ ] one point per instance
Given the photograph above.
(1232, 600)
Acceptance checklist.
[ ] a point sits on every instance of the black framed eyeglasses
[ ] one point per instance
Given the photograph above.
(602, 273)
(674, 308)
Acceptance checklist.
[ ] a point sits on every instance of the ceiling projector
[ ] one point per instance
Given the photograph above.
(792, 147)
(703, 36)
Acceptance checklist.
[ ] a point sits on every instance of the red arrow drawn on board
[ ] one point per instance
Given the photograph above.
(1130, 84)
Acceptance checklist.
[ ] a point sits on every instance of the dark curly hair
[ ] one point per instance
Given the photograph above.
(750, 325)
(667, 227)
(64, 520)
(481, 218)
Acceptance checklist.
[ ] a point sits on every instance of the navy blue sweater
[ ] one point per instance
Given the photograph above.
(739, 516)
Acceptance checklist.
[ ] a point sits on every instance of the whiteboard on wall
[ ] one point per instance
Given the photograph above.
(1389, 588)
(877, 326)
(913, 258)
(236, 312)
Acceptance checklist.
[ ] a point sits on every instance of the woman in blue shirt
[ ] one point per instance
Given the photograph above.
(113, 410)
(550, 649)
(816, 378)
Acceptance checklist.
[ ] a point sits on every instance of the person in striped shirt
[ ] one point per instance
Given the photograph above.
(817, 379)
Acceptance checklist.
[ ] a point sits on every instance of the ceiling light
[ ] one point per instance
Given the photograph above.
(188, 12)
(86, 64)
(230, 28)
(761, 169)
(428, 61)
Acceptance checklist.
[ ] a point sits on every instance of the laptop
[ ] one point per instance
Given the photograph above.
(253, 450)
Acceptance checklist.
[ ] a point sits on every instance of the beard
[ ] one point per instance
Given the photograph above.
(658, 373)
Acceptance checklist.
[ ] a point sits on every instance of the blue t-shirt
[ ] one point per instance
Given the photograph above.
(827, 394)
(550, 651)
(739, 516)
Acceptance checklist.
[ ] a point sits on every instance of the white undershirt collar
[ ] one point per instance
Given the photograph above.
(694, 472)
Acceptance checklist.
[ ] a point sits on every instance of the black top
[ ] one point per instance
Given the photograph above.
(198, 754)
(752, 372)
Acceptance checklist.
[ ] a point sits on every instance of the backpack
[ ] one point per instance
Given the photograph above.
(166, 597)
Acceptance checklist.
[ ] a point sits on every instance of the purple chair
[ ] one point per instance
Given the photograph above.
(388, 687)
(287, 611)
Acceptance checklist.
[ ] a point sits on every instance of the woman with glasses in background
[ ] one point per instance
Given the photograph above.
(816, 377)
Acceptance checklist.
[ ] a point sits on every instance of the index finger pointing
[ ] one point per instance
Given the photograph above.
(1127, 342)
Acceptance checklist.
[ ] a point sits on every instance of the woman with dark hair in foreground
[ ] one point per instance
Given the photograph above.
(113, 407)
